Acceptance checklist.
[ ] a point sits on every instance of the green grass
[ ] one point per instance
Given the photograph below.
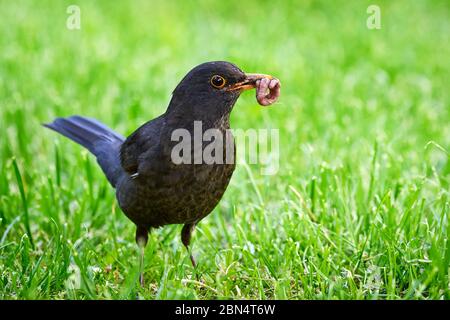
(358, 210)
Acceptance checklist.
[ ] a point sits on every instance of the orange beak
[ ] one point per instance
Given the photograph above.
(249, 82)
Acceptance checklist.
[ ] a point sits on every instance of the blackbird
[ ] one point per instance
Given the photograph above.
(152, 190)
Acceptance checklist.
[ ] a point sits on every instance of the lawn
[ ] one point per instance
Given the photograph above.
(359, 208)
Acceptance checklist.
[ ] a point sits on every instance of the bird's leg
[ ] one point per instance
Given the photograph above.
(141, 240)
(186, 234)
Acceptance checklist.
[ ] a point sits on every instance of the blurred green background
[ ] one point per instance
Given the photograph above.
(358, 210)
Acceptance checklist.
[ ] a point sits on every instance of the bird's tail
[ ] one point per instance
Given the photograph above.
(100, 140)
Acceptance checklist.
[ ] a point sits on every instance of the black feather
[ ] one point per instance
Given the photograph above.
(100, 140)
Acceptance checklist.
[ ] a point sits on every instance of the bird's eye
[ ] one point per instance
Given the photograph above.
(218, 82)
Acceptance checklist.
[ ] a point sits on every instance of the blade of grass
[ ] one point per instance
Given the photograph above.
(24, 201)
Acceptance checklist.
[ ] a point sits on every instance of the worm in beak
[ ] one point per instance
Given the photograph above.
(267, 87)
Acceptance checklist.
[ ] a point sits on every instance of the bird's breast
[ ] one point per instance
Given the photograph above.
(184, 194)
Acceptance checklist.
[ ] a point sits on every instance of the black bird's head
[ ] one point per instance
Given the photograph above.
(210, 90)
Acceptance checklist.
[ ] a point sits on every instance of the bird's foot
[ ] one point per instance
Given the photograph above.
(194, 263)
(141, 280)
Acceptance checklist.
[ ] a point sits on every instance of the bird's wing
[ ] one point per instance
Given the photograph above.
(141, 142)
